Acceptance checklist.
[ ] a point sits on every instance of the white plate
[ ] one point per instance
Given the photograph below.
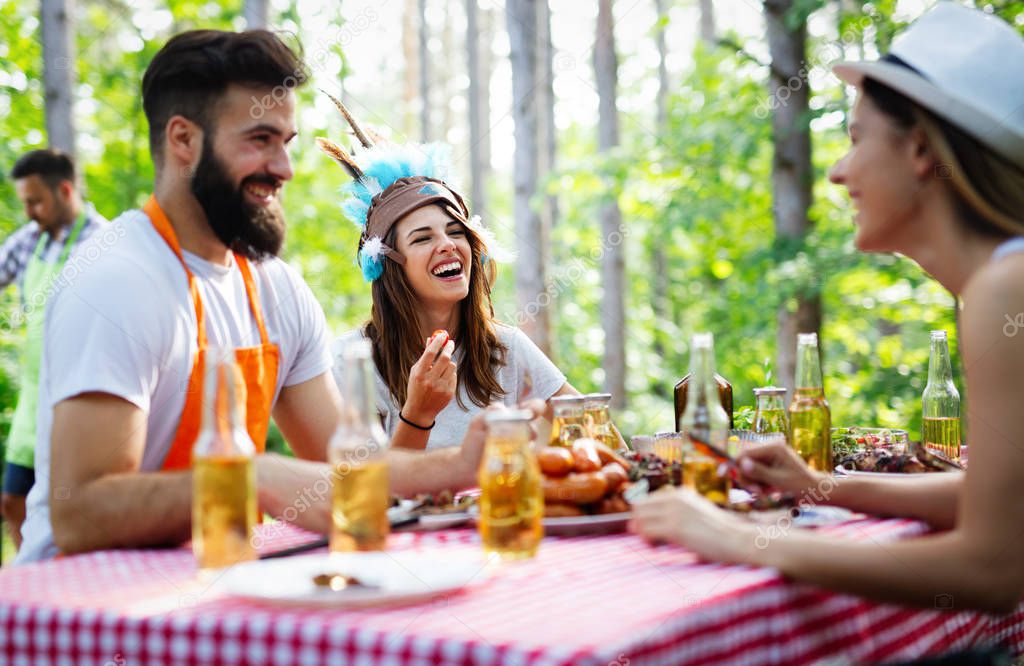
(842, 471)
(398, 578)
(606, 523)
(440, 521)
(427, 522)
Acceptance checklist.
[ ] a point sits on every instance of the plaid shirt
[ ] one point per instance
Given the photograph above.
(17, 250)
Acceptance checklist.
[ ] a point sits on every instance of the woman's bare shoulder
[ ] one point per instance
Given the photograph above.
(997, 285)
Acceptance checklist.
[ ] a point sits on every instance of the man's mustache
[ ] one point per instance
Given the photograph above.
(263, 179)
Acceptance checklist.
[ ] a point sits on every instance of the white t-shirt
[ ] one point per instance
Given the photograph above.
(126, 325)
(453, 421)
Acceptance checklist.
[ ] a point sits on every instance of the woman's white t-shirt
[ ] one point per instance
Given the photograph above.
(453, 421)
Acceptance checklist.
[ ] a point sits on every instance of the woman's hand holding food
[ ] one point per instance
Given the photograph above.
(432, 381)
(777, 465)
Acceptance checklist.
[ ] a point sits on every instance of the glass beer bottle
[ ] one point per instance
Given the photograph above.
(705, 420)
(941, 402)
(568, 424)
(770, 410)
(511, 494)
(810, 419)
(223, 469)
(358, 455)
(598, 419)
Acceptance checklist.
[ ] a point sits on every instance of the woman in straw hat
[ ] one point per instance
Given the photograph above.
(936, 172)
(432, 266)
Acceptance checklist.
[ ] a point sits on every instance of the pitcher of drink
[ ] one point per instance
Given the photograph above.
(770, 410)
(810, 419)
(511, 493)
(941, 402)
(223, 471)
(597, 416)
(568, 424)
(357, 453)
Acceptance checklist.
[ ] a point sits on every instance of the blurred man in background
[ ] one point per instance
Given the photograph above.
(33, 256)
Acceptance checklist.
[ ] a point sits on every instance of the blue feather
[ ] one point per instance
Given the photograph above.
(372, 267)
(388, 163)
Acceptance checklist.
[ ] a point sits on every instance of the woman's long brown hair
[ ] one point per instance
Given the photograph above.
(394, 330)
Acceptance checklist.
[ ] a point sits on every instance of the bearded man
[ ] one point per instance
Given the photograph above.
(196, 267)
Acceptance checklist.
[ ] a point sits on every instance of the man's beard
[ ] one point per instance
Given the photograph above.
(255, 232)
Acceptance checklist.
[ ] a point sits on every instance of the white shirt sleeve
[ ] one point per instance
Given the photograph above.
(108, 334)
(524, 354)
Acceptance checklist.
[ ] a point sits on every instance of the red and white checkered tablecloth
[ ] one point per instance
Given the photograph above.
(600, 600)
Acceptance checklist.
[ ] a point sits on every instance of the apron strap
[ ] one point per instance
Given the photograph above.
(163, 227)
(72, 237)
(254, 301)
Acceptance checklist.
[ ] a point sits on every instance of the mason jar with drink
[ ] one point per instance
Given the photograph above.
(511, 489)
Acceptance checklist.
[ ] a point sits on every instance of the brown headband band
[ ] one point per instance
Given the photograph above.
(403, 197)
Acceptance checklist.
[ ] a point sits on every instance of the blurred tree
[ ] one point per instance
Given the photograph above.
(424, 71)
(58, 22)
(613, 309)
(546, 119)
(476, 121)
(410, 71)
(256, 13)
(792, 176)
(531, 234)
(659, 294)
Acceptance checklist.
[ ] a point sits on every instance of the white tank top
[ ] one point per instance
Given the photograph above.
(1010, 246)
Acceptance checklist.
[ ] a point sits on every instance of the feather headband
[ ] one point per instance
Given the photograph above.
(389, 182)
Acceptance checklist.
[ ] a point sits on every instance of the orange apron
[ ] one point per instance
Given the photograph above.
(258, 365)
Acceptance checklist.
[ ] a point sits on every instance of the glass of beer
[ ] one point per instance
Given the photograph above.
(511, 494)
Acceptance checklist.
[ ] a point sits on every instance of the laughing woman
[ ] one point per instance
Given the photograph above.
(936, 172)
(432, 267)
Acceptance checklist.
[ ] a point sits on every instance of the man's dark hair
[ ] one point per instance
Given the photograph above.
(193, 70)
(50, 164)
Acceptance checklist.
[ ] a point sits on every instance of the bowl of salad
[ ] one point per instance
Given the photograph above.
(847, 441)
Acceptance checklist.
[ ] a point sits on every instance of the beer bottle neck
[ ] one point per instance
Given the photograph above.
(222, 419)
(808, 366)
(939, 368)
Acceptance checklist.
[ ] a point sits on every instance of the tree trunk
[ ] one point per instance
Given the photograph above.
(531, 236)
(443, 76)
(612, 261)
(792, 175)
(58, 27)
(707, 21)
(256, 14)
(476, 166)
(661, 237)
(486, 70)
(546, 104)
(424, 74)
(411, 74)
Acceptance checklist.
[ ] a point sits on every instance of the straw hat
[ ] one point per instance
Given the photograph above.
(964, 66)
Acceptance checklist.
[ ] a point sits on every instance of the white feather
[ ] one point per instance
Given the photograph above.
(373, 247)
(371, 185)
(494, 249)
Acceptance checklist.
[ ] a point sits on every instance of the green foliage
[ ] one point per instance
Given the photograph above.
(695, 193)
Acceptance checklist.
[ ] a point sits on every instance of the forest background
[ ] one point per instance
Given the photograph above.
(660, 165)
